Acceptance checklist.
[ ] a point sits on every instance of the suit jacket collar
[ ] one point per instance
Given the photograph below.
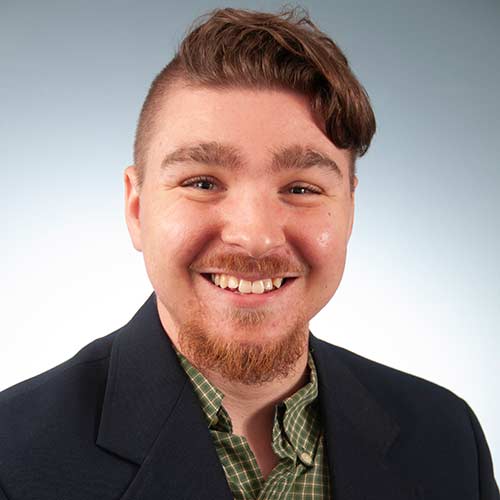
(151, 417)
(359, 434)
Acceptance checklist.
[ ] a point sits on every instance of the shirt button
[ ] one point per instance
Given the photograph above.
(306, 458)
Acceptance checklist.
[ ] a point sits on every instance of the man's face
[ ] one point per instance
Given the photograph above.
(243, 183)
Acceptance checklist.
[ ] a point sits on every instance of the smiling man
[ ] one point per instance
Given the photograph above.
(253, 203)
(241, 199)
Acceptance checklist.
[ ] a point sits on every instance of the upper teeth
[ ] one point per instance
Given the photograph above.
(244, 286)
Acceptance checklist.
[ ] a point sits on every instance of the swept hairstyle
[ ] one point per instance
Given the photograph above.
(241, 48)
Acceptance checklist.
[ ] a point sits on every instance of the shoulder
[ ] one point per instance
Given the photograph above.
(98, 350)
(374, 373)
(408, 398)
(439, 434)
(47, 402)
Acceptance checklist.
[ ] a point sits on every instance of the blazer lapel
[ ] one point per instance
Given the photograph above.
(151, 417)
(183, 462)
(358, 435)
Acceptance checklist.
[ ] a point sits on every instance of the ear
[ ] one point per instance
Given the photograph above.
(133, 206)
(351, 219)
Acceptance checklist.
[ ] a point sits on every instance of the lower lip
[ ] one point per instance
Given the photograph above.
(251, 299)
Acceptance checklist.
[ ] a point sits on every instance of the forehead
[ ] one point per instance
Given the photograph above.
(242, 126)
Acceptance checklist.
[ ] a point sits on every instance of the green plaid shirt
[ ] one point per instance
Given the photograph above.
(302, 469)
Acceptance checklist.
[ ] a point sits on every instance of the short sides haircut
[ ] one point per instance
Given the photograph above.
(230, 48)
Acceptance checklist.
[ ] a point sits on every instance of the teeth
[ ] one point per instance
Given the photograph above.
(258, 287)
(245, 286)
(277, 282)
(232, 282)
(223, 281)
(268, 284)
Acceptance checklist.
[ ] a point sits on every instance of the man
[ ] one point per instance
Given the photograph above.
(241, 199)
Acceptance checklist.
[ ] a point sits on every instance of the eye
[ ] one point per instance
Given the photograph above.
(207, 183)
(201, 182)
(304, 189)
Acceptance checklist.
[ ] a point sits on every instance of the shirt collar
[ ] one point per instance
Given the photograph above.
(210, 397)
(300, 418)
(296, 428)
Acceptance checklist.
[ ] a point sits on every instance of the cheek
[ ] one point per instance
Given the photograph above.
(322, 243)
(173, 236)
(330, 250)
(324, 239)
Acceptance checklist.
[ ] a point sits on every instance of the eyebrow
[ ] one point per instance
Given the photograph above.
(292, 157)
(207, 153)
(298, 157)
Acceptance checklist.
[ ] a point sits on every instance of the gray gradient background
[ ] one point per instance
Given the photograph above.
(421, 288)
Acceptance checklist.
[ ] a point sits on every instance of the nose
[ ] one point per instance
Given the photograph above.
(253, 225)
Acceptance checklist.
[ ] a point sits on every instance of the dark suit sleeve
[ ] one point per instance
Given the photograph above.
(488, 489)
(3, 496)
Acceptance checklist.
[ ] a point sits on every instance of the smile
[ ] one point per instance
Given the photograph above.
(242, 290)
(245, 286)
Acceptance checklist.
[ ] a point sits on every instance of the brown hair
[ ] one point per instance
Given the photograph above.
(241, 48)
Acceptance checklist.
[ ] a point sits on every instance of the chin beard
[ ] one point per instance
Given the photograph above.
(243, 361)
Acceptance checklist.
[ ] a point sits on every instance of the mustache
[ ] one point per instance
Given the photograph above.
(271, 265)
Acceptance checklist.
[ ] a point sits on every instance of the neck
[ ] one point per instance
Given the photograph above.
(251, 407)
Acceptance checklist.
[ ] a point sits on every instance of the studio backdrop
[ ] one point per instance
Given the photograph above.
(422, 277)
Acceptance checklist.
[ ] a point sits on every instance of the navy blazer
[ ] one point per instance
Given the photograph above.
(120, 420)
